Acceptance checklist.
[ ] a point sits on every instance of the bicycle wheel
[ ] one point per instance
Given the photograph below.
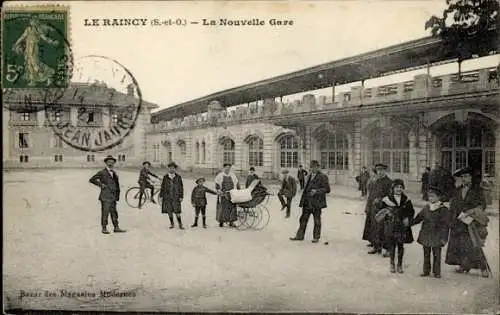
(132, 197)
(264, 217)
(245, 219)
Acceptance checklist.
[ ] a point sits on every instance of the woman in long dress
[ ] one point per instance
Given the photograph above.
(464, 247)
(224, 182)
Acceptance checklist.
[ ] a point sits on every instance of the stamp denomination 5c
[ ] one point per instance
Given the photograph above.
(34, 47)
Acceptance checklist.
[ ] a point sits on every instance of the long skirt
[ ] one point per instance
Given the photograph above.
(226, 210)
(367, 232)
(461, 252)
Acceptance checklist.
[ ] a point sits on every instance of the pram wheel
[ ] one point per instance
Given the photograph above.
(246, 218)
(263, 217)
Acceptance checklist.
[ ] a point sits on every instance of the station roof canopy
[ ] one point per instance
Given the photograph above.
(396, 58)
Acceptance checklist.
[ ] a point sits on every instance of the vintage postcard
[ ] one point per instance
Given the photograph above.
(251, 156)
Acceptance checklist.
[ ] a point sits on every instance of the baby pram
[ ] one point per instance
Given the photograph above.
(251, 213)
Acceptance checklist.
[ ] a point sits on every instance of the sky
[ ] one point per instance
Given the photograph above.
(173, 64)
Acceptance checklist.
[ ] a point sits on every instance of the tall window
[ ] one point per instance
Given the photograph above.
(58, 142)
(91, 117)
(58, 158)
(334, 151)
(23, 140)
(256, 152)
(91, 158)
(197, 153)
(25, 116)
(471, 145)
(156, 152)
(182, 148)
(392, 149)
(289, 152)
(203, 152)
(228, 152)
(23, 158)
(114, 119)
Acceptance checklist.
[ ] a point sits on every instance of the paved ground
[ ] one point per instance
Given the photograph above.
(52, 242)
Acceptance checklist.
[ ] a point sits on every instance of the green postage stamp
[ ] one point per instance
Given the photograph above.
(35, 47)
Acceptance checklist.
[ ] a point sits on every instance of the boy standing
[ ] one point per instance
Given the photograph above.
(199, 201)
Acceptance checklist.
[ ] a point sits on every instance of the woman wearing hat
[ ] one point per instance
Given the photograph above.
(434, 231)
(379, 188)
(397, 230)
(172, 193)
(464, 248)
(224, 182)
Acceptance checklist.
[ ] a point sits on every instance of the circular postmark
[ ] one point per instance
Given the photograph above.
(37, 60)
(102, 105)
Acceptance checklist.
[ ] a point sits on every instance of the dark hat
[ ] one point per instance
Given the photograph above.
(201, 179)
(463, 171)
(109, 157)
(399, 182)
(435, 190)
(227, 164)
(252, 168)
(315, 163)
(146, 162)
(172, 164)
(284, 172)
(380, 165)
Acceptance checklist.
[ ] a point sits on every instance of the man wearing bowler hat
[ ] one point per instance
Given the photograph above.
(313, 200)
(107, 180)
(172, 193)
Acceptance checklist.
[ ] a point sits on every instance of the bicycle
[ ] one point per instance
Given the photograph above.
(134, 199)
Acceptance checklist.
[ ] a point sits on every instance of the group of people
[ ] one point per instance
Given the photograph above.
(390, 213)
(462, 224)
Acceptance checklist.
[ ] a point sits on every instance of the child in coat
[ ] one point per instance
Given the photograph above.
(399, 211)
(434, 231)
(199, 201)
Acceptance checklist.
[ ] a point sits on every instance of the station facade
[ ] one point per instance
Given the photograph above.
(408, 126)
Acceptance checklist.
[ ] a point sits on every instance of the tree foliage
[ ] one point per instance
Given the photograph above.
(467, 26)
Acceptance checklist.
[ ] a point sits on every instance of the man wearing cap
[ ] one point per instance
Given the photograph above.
(313, 200)
(224, 182)
(107, 180)
(172, 193)
(301, 175)
(379, 188)
(144, 182)
(288, 191)
(464, 249)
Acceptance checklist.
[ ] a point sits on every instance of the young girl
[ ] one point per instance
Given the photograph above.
(434, 231)
(399, 211)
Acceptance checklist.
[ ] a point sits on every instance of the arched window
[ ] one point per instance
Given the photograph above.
(203, 152)
(255, 152)
(392, 149)
(197, 153)
(334, 151)
(168, 149)
(289, 152)
(228, 155)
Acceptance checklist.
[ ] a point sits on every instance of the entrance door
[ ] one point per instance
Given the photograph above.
(475, 160)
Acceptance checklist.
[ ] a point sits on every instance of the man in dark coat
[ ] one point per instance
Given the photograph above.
(107, 180)
(301, 175)
(313, 200)
(288, 191)
(251, 176)
(461, 250)
(425, 183)
(362, 180)
(379, 188)
(172, 193)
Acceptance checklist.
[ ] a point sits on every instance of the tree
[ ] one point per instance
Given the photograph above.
(467, 27)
